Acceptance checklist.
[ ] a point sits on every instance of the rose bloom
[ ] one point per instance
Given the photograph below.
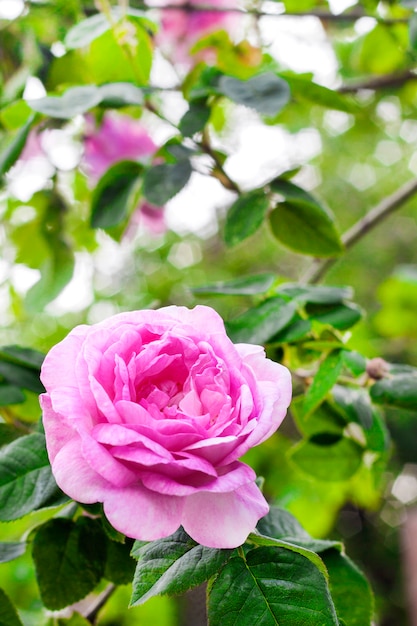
(121, 138)
(181, 29)
(148, 413)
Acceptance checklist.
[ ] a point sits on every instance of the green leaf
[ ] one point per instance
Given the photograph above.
(399, 391)
(266, 93)
(120, 566)
(114, 95)
(8, 614)
(69, 559)
(259, 324)
(354, 361)
(194, 120)
(10, 394)
(328, 457)
(114, 195)
(74, 101)
(12, 152)
(22, 356)
(75, 620)
(173, 565)
(280, 524)
(83, 33)
(26, 481)
(10, 550)
(317, 294)
(305, 90)
(350, 590)
(306, 228)
(245, 286)
(323, 381)
(56, 272)
(245, 216)
(21, 376)
(270, 586)
(261, 540)
(162, 182)
(341, 316)
(8, 434)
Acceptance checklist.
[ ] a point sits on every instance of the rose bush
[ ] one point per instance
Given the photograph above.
(148, 413)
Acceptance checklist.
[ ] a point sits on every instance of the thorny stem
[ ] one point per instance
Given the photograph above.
(363, 226)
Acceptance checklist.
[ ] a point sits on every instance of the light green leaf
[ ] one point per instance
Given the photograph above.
(173, 565)
(270, 586)
(74, 101)
(323, 381)
(83, 33)
(328, 457)
(245, 216)
(12, 152)
(8, 614)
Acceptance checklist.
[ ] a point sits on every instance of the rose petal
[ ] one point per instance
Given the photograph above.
(75, 476)
(223, 520)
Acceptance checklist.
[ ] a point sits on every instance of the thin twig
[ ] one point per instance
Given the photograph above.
(380, 82)
(98, 603)
(363, 227)
(219, 171)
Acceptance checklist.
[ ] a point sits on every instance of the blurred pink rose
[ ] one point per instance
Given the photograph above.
(180, 30)
(149, 411)
(120, 138)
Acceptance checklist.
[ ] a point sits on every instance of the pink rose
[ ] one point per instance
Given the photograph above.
(181, 29)
(120, 138)
(148, 413)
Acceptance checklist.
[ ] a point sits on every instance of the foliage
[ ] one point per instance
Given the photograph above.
(308, 249)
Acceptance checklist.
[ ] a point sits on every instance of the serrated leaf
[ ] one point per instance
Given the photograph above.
(113, 195)
(245, 286)
(245, 216)
(306, 228)
(266, 93)
(8, 614)
(173, 565)
(12, 152)
(162, 182)
(194, 120)
(261, 540)
(10, 550)
(280, 524)
(26, 481)
(69, 559)
(399, 391)
(270, 586)
(259, 324)
(350, 590)
(323, 381)
(328, 457)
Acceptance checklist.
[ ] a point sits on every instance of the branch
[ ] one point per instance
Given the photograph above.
(218, 172)
(380, 82)
(91, 613)
(363, 227)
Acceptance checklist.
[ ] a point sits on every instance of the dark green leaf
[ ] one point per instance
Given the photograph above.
(22, 356)
(323, 381)
(350, 590)
(10, 155)
(261, 540)
(245, 216)
(260, 324)
(10, 394)
(297, 330)
(26, 481)
(21, 376)
(399, 391)
(354, 361)
(8, 434)
(245, 286)
(292, 192)
(116, 95)
(341, 316)
(69, 560)
(74, 101)
(163, 182)
(305, 228)
(173, 565)
(266, 93)
(120, 566)
(330, 462)
(194, 119)
(8, 614)
(317, 294)
(270, 586)
(114, 194)
(11, 550)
